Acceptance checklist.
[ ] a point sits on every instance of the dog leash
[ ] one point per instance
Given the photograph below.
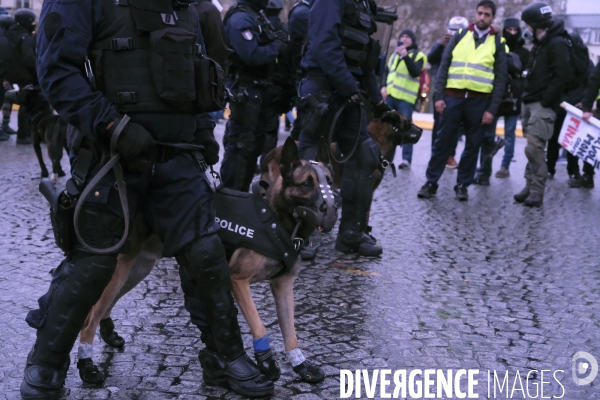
(113, 164)
(336, 118)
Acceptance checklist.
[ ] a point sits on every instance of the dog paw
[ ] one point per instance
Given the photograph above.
(267, 364)
(54, 178)
(309, 373)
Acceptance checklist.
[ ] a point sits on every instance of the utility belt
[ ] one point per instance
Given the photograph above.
(65, 204)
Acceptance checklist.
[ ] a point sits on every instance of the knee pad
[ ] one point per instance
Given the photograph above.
(369, 156)
(69, 304)
(205, 255)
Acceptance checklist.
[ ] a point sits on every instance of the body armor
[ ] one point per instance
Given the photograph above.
(247, 220)
(143, 56)
(235, 66)
(360, 51)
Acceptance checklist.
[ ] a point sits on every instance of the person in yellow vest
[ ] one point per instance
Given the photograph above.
(403, 80)
(471, 82)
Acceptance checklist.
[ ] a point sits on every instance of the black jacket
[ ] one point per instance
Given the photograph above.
(515, 82)
(24, 43)
(549, 70)
(591, 92)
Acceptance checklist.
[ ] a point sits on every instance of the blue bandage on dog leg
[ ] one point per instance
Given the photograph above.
(261, 344)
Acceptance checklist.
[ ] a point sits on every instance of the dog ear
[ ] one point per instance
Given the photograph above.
(323, 152)
(290, 159)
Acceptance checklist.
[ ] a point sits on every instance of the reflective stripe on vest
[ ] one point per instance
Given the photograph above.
(400, 84)
(473, 68)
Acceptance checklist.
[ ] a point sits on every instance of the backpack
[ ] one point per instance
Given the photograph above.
(579, 61)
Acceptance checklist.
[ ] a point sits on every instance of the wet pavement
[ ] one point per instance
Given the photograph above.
(487, 284)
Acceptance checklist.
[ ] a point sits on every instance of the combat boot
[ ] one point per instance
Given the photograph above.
(534, 199)
(240, 375)
(584, 181)
(352, 240)
(523, 194)
(462, 194)
(428, 190)
(44, 382)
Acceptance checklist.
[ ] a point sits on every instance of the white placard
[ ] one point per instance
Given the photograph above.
(581, 138)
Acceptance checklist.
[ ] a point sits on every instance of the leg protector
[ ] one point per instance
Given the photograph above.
(204, 262)
(77, 289)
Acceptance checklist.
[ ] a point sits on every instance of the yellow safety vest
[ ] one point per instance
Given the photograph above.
(598, 98)
(400, 84)
(473, 68)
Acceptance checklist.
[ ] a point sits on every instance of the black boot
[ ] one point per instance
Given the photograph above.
(44, 383)
(109, 335)
(240, 375)
(204, 262)
(353, 240)
(7, 129)
(267, 364)
(584, 181)
(89, 373)
(309, 373)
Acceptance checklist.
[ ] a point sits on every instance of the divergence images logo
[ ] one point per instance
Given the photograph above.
(580, 367)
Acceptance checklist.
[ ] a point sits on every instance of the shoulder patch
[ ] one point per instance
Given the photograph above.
(247, 35)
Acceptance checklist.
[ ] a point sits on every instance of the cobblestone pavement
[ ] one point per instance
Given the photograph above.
(485, 284)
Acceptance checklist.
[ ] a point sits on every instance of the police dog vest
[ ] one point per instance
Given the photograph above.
(247, 220)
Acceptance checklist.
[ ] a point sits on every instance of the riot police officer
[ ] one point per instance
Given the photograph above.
(298, 29)
(340, 60)
(254, 110)
(22, 64)
(6, 21)
(132, 110)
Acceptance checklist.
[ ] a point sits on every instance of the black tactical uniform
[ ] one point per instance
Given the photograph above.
(142, 54)
(340, 60)
(298, 29)
(254, 110)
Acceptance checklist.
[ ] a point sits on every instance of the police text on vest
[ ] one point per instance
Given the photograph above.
(241, 230)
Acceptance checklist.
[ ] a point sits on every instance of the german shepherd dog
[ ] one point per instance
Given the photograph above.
(298, 184)
(44, 126)
(387, 132)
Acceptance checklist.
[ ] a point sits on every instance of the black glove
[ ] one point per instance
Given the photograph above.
(134, 140)
(282, 35)
(283, 47)
(380, 109)
(206, 138)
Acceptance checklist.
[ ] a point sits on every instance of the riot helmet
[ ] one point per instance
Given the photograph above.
(537, 15)
(25, 17)
(257, 4)
(275, 5)
(457, 23)
(6, 21)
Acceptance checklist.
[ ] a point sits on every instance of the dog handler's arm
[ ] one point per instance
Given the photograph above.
(64, 36)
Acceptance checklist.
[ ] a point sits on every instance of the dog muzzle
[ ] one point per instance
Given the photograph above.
(321, 212)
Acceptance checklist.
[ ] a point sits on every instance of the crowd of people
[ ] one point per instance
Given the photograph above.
(107, 68)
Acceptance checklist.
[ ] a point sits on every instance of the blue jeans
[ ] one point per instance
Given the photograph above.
(406, 109)
(466, 111)
(510, 126)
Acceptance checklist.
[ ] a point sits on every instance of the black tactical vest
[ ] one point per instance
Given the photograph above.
(297, 44)
(235, 65)
(247, 220)
(355, 32)
(143, 56)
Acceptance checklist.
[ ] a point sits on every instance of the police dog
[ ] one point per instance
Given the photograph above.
(44, 126)
(297, 184)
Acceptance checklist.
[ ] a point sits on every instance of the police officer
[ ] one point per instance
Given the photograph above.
(141, 113)
(340, 60)
(22, 70)
(283, 76)
(298, 29)
(254, 110)
(6, 21)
